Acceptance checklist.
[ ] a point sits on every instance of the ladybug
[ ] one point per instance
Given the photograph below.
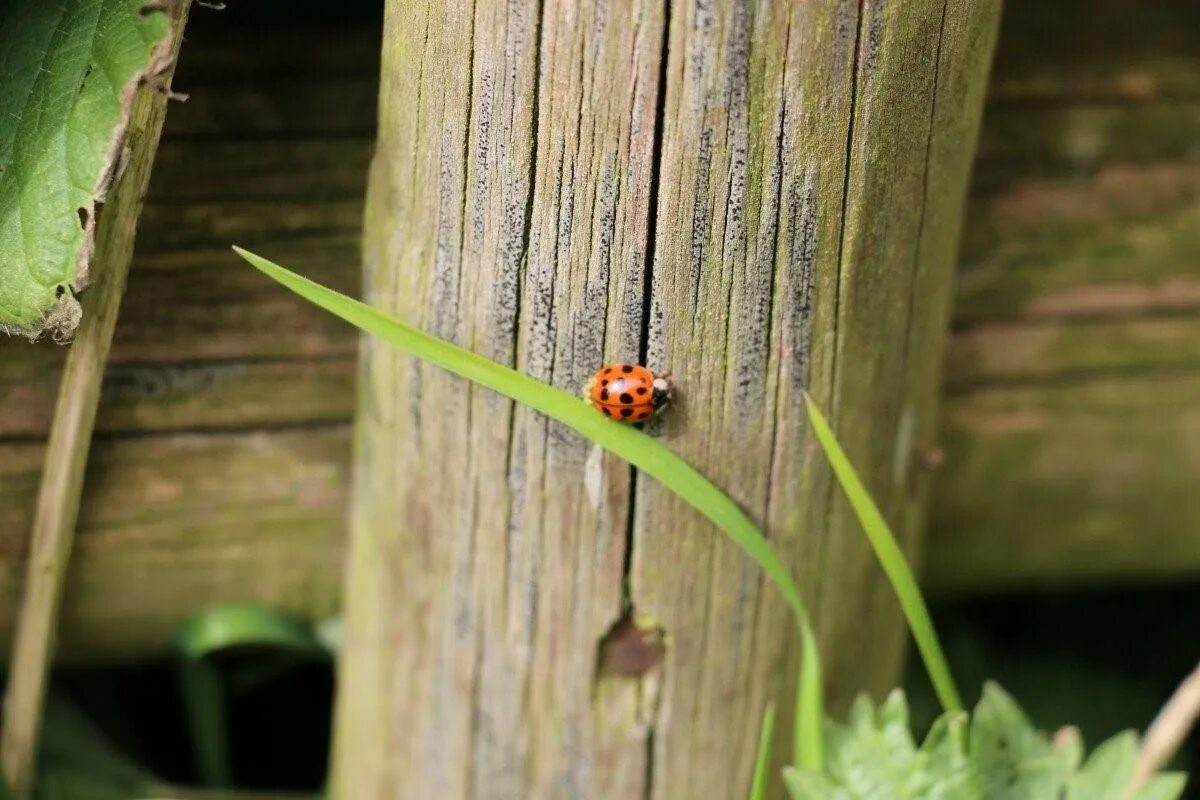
(627, 393)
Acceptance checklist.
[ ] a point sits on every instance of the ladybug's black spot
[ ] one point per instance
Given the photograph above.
(643, 415)
(626, 412)
(641, 390)
(626, 368)
(604, 394)
(608, 371)
(626, 398)
(604, 382)
(605, 411)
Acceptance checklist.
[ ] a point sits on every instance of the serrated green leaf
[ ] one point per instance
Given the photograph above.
(994, 755)
(874, 757)
(69, 68)
(1167, 786)
(1106, 773)
(950, 773)
(811, 785)
(1014, 761)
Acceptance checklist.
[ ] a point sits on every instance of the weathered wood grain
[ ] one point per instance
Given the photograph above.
(222, 418)
(1070, 424)
(503, 585)
(172, 523)
(1070, 419)
(206, 346)
(517, 198)
(1088, 480)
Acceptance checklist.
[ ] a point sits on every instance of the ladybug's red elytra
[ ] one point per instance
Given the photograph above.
(627, 393)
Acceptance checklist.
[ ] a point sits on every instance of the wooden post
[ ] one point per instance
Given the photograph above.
(759, 197)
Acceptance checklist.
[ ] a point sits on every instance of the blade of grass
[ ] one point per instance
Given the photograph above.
(203, 686)
(758, 789)
(203, 694)
(234, 625)
(891, 558)
(640, 450)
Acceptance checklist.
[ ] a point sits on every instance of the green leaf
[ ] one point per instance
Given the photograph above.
(644, 452)
(236, 625)
(758, 789)
(69, 71)
(1106, 773)
(809, 785)
(1013, 760)
(204, 687)
(994, 755)
(891, 558)
(873, 755)
(1167, 786)
(951, 775)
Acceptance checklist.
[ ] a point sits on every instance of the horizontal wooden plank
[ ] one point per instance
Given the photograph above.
(1124, 241)
(141, 397)
(1073, 141)
(1110, 50)
(1070, 430)
(1057, 350)
(247, 109)
(169, 524)
(1049, 485)
(315, 171)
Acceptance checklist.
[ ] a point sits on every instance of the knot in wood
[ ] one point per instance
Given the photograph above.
(631, 650)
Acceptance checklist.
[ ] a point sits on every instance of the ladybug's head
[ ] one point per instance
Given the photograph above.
(660, 392)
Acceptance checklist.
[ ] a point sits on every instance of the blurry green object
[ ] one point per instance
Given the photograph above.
(994, 754)
(203, 685)
(78, 763)
(69, 71)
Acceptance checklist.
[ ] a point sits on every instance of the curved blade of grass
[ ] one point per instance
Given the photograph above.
(637, 448)
(758, 789)
(234, 625)
(202, 685)
(891, 558)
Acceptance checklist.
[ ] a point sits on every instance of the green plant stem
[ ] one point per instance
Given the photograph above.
(640, 450)
(204, 688)
(52, 537)
(758, 789)
(891, 558)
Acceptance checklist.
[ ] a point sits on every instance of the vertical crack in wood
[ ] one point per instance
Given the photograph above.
(473, 524)
(832, 410)
(837, 297)
(627, 603)
(512, 469)
(648, 780)
(916, 270)
(772, 301)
